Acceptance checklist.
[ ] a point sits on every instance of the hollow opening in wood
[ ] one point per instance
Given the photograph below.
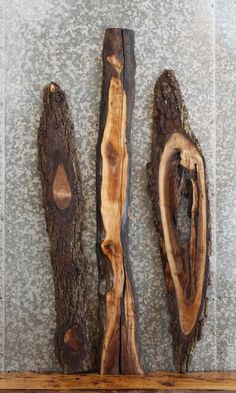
(187, 258)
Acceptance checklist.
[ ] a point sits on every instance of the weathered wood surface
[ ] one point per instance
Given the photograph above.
(106, 391)
(177, 186)
(119, 332)
(159, 381)
(63, 204)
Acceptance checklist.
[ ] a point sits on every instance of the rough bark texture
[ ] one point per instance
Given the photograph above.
(120, 348)
(177, 186)
(63, 204)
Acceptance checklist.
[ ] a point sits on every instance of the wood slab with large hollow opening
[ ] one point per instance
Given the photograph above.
(119, 331)
(63, 205)
(177, 186)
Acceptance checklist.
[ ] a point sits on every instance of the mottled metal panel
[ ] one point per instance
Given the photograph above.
(61, 40)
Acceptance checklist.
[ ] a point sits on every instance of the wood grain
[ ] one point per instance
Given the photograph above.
(106, 391)
(63, 205)
(160, 381)
(120, 351)
(177, 186)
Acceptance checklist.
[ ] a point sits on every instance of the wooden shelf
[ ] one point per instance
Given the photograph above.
(224, 381)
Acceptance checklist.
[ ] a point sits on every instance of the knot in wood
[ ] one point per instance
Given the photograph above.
(61, 188)
(72, 338)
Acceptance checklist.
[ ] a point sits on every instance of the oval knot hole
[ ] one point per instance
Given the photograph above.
(61, 189)
(72, 338)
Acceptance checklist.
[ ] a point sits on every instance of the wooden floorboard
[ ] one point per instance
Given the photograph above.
(160, 381)
(109, 391)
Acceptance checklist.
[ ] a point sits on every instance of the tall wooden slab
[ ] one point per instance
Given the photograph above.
(63, 204)
(118, 315)
(178, 190)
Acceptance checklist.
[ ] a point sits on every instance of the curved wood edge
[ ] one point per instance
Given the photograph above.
(177, 173)
(164, 381)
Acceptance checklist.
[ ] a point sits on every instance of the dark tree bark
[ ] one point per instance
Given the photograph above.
(177, 186)
(119, 330)
(63, 204)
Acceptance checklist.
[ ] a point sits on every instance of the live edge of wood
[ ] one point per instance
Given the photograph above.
(120, 347)
(224, 381)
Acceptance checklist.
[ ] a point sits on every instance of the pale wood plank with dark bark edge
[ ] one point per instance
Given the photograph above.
(177, 171)
(120, 352)
(159, 381)
(63, 205)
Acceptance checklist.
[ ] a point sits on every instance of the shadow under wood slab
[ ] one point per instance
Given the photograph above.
(63, 204)
(177, 186)
(119, 331)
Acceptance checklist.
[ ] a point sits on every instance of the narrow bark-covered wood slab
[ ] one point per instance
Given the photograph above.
(178, 190)
(118, 316)
(63, 204)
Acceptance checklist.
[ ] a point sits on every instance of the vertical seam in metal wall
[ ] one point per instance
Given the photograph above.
(2, 150)
(2, 185)
(215, 179)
